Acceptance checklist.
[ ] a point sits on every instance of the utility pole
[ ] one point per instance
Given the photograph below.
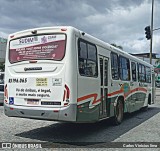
(151, 33)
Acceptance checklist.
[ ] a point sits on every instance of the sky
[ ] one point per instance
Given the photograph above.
(114, 21)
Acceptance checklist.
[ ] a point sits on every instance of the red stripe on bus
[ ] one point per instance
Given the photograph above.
(134, 90)
(90, 96)
(142, 89)
(96, 101)
(87, 97)
(131, 91)
(110, 94)
(116, 92)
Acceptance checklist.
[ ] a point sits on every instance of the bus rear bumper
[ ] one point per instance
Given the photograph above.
(56, 114)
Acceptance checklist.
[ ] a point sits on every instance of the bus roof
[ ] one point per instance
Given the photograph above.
(94, 40)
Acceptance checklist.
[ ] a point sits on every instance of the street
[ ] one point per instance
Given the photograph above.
(140, 126)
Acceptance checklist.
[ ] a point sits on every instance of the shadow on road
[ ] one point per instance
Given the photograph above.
(87, 134)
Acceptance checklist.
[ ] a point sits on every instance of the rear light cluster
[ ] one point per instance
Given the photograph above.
(12, 36)
(66, 95)
(63, 29)
(5, 94)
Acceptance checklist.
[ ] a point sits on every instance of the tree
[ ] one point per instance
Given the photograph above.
(157, 61)
(2, 66)
(120, 47)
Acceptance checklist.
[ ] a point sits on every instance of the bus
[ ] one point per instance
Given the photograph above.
(64, 74)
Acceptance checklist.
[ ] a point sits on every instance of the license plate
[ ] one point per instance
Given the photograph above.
(32, 101)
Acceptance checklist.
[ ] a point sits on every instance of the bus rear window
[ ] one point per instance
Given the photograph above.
(37, 47)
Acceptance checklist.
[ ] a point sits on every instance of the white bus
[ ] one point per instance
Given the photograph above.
(64, 74)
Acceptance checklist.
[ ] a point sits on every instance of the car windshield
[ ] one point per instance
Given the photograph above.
(37, 47)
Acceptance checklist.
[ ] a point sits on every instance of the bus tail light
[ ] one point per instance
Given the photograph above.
(66, 95)
(5, 93)
(32, 61)
(55, 111)
(63, 29)
(68, 92)
(12, 36)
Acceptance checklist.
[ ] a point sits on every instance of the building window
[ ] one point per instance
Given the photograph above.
(133, 66)
(87, 54)
(124, 68)
(114, 66)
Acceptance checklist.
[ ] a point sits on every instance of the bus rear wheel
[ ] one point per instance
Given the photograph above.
(119, 111)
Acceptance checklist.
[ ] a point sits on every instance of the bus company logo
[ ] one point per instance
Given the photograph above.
(27, 40)
(51, 37)
(43, 40)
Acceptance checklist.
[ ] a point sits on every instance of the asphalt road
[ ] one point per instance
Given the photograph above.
(140, 126)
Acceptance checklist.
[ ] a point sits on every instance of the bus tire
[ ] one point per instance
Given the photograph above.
(149, 99)
(145, 108)
(119, 112)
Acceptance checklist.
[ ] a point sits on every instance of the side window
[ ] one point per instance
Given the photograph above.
(124, 68)
(134, 76)
(92, 61)
(114, 66)
(148, 75)
(82, 55)
(101, 70)
(141, 73)
(83, 50)
(87, 54)
(92, 52)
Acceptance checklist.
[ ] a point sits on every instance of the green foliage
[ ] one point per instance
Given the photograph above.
(120, 47)
(157, 61)
(2, 66)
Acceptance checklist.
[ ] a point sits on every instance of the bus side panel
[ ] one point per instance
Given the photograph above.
(71, 78)
(88, 96)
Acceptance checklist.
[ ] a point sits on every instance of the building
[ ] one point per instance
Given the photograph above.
(3, 44)
(146, 57)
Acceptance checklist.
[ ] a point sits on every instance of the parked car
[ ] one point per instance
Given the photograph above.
(158, 84)
(1, 88)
